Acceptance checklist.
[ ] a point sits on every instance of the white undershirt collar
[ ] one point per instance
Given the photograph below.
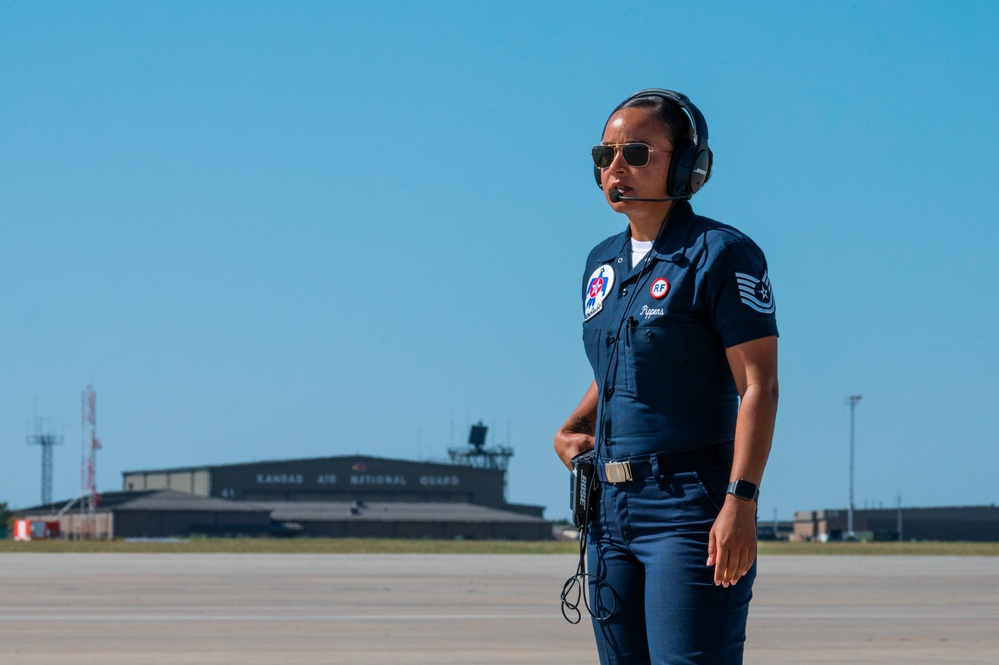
(639, 248)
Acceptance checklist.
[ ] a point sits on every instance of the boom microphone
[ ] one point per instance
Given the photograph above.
(615, 196)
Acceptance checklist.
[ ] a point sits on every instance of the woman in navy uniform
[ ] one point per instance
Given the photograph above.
(679, 326)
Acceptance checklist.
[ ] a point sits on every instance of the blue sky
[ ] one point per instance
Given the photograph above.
(274, 230)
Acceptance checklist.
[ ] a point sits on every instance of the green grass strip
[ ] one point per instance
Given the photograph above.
(390, 546)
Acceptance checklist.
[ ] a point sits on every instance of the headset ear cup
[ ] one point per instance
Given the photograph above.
(700, 171)
(680, 169)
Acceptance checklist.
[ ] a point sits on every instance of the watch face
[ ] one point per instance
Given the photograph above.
(744, 490)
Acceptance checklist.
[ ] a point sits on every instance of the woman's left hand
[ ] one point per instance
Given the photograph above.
(732, 541)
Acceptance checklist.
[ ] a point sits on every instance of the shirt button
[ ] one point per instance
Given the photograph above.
(624, 291)
(620, 259)
(608, 391)
(610, 339)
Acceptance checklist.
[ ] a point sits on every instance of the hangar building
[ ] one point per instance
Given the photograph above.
(335, 478)
(165, 513)
(358, 496)
(348, 496)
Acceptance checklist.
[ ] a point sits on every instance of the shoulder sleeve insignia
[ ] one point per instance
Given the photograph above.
(756, 292)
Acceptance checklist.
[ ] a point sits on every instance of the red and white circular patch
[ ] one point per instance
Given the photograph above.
(659, 288)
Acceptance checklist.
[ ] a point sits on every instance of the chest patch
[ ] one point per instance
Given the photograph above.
(659, 288)
(597, 288)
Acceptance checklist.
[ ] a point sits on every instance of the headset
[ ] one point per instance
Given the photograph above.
(690, 166)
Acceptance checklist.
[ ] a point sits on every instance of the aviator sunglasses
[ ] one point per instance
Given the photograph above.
(635, 154)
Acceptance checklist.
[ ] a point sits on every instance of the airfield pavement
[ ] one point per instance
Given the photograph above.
(174, 609)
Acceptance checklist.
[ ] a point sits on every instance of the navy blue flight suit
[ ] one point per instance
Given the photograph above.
(656, 335)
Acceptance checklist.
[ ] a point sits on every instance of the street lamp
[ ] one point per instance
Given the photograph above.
(852, 401)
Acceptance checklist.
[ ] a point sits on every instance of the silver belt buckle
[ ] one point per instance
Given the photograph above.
(618, 472)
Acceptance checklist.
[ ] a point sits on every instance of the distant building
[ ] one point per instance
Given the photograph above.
(352, 496)
(167, 513)
(774, 530)
(153, 515)
(964, 523)
(335, 478)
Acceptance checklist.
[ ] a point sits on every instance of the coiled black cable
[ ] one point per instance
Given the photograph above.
(574, 586)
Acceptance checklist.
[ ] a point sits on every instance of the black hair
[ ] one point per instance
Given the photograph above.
(675, 123)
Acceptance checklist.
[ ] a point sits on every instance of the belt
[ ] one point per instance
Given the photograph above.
(639, 468)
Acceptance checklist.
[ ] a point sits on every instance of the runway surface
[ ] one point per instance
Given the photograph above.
(173, 609)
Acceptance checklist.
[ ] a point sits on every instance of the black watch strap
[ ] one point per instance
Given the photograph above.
(745, 490)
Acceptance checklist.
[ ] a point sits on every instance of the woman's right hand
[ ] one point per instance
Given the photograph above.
(568, 444)
(576, 434)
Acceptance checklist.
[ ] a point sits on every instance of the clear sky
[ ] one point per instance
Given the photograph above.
(281, 230)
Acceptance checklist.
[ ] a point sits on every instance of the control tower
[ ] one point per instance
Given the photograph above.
(476, 455)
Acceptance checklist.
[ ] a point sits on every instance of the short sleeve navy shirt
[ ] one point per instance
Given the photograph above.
(656, 337)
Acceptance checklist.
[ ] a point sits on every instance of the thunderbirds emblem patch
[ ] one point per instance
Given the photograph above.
(756, 293)
(597, 288)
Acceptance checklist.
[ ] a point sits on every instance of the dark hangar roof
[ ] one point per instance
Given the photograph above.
(308, 460)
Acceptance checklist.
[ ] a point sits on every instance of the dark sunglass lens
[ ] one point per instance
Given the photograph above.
(636, 154)
(603, 155)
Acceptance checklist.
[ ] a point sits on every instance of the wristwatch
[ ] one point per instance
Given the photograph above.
(745, 490)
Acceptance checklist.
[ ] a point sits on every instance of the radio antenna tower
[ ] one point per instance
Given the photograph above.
(88, 470)
(476, 455)
(46, 440)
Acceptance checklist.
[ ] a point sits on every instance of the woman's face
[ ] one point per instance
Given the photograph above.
(633, 125)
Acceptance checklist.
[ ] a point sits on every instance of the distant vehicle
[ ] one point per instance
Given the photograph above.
(36, 530)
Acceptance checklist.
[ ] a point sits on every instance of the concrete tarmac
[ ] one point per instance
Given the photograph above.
(175, 609)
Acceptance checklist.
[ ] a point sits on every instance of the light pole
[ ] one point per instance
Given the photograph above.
(852, 401)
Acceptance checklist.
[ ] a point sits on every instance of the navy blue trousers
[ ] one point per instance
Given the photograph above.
(649, 544)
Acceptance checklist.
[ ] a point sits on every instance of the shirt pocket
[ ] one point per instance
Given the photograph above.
(658, 362)
(596, 351)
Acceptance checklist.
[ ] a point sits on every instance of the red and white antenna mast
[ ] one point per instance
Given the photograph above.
(88, 471)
